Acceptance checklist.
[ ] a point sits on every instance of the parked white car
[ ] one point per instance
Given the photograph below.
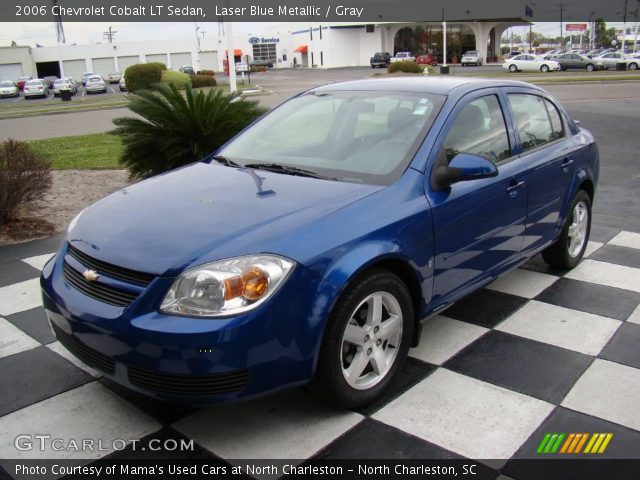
(403, 57)
(530, 63)
(471, 57)
(35, 88)
(122, 84)
(66, 83)
(8, 88)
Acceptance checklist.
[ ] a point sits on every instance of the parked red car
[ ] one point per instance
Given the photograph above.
(21, 81)
(427, 59)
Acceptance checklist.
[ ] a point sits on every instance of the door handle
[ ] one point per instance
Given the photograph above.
(566, 163)
(513, 187)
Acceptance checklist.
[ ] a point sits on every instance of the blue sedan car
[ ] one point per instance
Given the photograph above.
(309, 248)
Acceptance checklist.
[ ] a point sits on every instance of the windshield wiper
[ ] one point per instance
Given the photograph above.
(286, 169)
(225, 161)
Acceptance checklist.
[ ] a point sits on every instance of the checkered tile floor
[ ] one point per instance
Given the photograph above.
(534, 352)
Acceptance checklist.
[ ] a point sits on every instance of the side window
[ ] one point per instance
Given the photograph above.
(479, 129)
(556, 121)
(532, 120)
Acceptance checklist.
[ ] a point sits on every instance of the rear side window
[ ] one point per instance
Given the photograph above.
(557, 128)
(532, 120)
(479, 129)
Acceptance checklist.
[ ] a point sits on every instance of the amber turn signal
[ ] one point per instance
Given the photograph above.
(251, 284)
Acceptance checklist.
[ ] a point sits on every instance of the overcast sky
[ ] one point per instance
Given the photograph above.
(91, 33)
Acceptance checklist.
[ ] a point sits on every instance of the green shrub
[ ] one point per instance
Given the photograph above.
(199, 81)
(207, 72)
(179, 79)
(24, 177)
(143, 75)
(405, 66)
(258, 68)
(177, 129)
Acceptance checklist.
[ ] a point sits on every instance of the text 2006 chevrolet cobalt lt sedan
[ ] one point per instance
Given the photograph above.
(309, 248)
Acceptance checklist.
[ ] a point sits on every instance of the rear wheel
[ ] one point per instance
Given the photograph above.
(513, 68)
(544, 68)
(567, 251)
(633, 66)
(366, 340)
(590, 67)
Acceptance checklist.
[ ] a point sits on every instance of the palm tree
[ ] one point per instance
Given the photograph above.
(177, 129)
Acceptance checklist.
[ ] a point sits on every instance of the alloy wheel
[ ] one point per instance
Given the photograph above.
(577, 234)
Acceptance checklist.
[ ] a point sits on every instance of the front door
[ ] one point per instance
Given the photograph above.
(478, 224)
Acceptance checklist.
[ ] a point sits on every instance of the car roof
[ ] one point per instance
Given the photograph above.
(439, 86)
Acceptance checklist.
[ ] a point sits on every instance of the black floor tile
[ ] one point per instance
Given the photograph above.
(414, 371)
(34, 323)
(485, 307)
(160, 446)
(522, 365)
(625, 442)
(14, 271)
(537, 264)
(629, 257)
(602, 234)
(591, 298)
(34, 375)
(164, 412)
(32, 248)
(624, 346)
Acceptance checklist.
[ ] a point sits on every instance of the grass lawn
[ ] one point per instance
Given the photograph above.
(83, 152)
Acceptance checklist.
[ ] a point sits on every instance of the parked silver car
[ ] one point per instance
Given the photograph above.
(9, 88)
(65, 84)
(471, 57)
(35, 88)
(95, 83)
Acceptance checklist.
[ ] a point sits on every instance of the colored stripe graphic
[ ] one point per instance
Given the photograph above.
(574, 443)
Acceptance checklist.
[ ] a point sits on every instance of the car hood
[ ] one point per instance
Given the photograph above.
(202, 212)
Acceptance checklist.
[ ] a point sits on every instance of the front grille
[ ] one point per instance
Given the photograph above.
(99, 291)
(113, 271)
(85, 353)
(193, 385)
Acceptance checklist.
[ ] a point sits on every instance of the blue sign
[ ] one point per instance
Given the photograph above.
(254, 40)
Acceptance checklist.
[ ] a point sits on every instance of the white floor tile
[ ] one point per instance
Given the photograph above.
(14, 340)
(468, 416)
(610, 391)
(63, 352)
(591, 248)
(290, 425)
(443, 337)
(90, 411)
(603, 273)
(38, 261)
(20, 297)
(562, 327)
(523, 283)
(635, 316)
(626, 239)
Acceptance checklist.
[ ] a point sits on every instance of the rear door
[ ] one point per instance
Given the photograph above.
(478, 224)
(544, 145)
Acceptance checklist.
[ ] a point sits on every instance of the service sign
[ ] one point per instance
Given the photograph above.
(576, 27)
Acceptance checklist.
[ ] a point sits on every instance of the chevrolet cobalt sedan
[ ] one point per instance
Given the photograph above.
(310, 248)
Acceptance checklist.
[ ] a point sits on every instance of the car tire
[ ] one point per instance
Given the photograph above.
(372, 354)
(513, 68)
(633, 66)
(567, 251)
(590, 67)
(544, 68)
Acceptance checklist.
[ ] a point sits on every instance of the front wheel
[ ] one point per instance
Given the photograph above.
(633, 66)
(544, 68)
(567, 251)
(366, 340)
(513, 68)
(590, 67)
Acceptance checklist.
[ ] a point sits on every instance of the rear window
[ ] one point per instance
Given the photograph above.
(6, 84)
(34, 83)
(95, 79)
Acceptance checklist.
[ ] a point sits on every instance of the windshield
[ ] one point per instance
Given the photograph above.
(7, 84)
(472, 52)
(364, 137)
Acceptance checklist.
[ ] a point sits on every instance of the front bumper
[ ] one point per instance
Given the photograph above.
(193, 361)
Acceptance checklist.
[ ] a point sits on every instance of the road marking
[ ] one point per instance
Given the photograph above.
(112, 90)
(18, 99)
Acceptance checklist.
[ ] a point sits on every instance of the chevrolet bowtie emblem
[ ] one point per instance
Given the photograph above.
(90, 275)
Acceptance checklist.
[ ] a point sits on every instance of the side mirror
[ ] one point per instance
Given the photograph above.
(463, 167)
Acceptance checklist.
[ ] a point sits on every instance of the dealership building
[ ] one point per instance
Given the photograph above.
(284, 45)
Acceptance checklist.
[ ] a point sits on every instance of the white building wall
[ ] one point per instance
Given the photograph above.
(21, 55)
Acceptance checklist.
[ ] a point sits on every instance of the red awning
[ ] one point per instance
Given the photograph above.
(236, 52)
(301, 49)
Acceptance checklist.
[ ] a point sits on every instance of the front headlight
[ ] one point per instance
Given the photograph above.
(226, 287)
